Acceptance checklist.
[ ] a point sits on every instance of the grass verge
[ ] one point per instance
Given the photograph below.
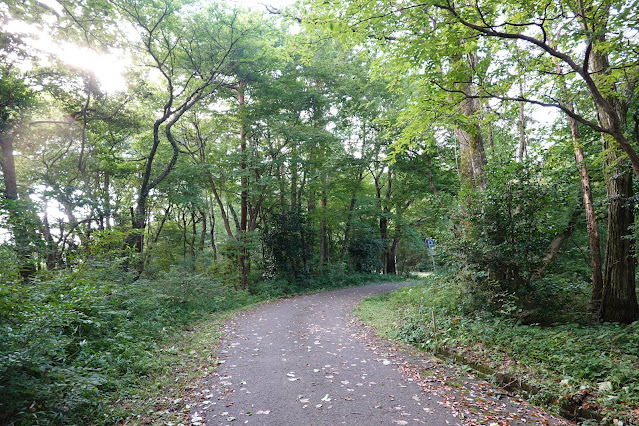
(185, 357)
(589, 370)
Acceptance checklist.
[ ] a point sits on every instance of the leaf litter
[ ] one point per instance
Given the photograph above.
(481, 404)
(470, 401)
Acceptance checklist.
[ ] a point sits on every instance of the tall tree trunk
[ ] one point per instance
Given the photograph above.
(472, 158)
(184, 227)
(203, 231)
(139, 213)
(7, 162)
(17, 223)
(471, 144)
(236, 220)
(392, 266)
(138, 223)
(470, 163)
(522, 128)
(349, 218)
(388, 260)
(619, 298)
(294, 201)
(591, 220)
(213, 243)
(194, 222)
(243, 261)
(589, 207)
(383, 234)
(323, 248)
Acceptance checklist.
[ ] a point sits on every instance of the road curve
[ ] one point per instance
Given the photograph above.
(305, 361)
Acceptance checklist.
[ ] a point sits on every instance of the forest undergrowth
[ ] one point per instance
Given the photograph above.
(574, 366)
(93, 345)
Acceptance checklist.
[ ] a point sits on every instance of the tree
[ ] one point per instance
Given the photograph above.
(531, 39)
(591, 221)
(618, 298)
(191, 54)
(16, 98)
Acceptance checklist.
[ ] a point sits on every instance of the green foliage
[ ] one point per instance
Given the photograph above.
(365, 250)
(9, 262)
(16, 97)
(506, 231)
(288, 241)
(560, 360)
(108, 245)
(71, 341)
(49, 346)
(23, 224)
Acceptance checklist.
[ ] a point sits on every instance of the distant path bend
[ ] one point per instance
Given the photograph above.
(304, 361)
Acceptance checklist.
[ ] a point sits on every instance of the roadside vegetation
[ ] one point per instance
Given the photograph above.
(91, 345)
(166, 160)
(583, 370)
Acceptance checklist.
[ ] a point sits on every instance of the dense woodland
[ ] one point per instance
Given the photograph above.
(260, 151)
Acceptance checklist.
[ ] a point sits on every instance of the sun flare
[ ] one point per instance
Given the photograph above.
(108, 68)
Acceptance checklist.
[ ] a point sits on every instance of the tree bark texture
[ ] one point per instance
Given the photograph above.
(591, 221)
(323, 229)
(471, 144)
(243, 262)
(8, 167)
(619, 298)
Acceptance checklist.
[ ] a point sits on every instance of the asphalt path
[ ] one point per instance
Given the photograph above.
(307, 361)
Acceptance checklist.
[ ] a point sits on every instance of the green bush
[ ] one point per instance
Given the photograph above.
(50, 361)
(288, 240)
(365, 251)
(70, 340)
(9, 262)
(504, 232)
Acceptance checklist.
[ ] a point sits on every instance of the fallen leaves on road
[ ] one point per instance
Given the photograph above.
(472, 401)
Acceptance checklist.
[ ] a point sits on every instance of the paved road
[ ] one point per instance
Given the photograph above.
(305, 361)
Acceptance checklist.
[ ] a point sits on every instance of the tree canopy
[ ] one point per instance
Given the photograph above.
(265, 145)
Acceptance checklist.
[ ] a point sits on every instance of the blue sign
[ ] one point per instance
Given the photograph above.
(430, 244)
